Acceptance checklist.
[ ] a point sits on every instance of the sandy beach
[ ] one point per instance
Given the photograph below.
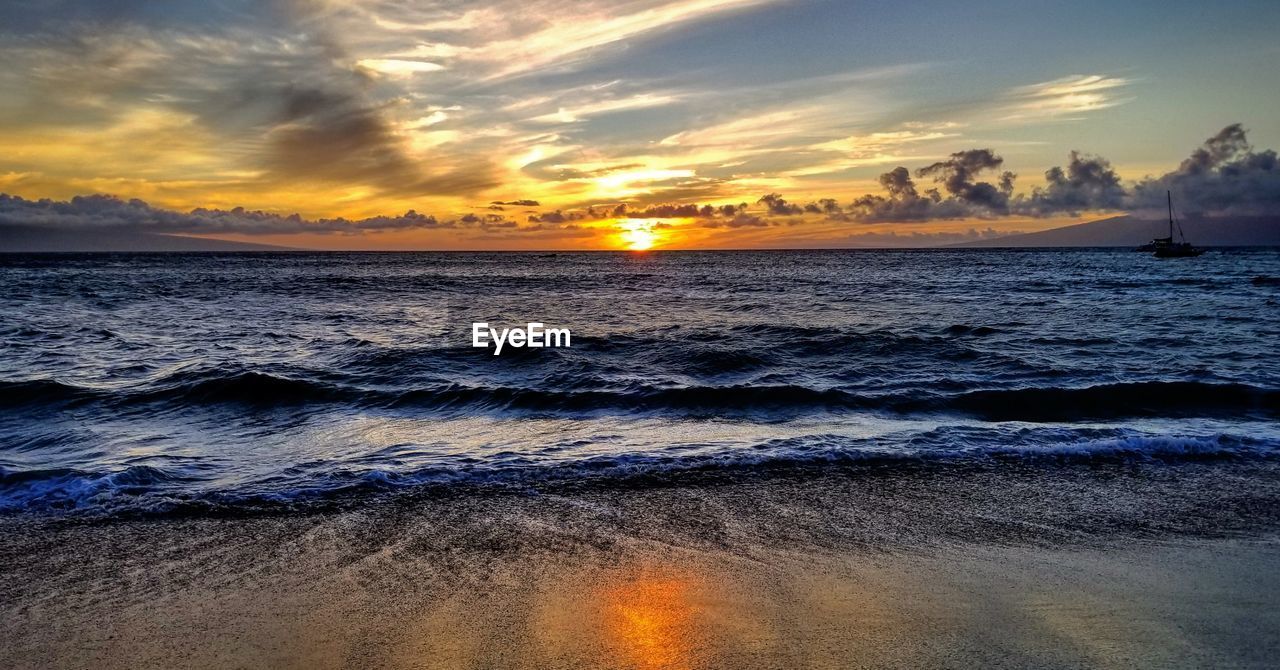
(1104, 567)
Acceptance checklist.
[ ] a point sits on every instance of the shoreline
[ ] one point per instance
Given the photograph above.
(1149, 565)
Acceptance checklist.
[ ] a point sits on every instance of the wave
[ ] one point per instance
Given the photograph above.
(1110, 401)
(150, 490)
(42, 391)
(1168, 399)
(253, 388)
(73, 489)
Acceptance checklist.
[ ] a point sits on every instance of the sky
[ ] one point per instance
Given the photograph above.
(496, 124)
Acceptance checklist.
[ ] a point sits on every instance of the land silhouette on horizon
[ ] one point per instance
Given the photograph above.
(36, 239)
(1125, 230)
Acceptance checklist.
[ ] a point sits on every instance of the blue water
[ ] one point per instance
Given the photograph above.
(136, 382)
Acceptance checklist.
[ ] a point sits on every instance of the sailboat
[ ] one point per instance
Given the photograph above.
(1165, 247)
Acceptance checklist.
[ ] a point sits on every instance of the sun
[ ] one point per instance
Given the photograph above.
(638, 235)
(639, 240)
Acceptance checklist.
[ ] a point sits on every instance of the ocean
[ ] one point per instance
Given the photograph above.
(157, 384)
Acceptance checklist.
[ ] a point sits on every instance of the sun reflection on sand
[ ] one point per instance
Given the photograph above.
(651, 621)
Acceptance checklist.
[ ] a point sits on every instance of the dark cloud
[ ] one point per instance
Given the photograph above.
(280, 93)
(740, 221)
(342, 145)
(626, 211)
(904, 202)
(778, 205)
(558, 216)
(490, 225)
(824, 206)
(1229, 144)
(617, 211)
(1087, 183)
(105, 212)
(516, 203)
(898, 183)
(688, 211)
(966, 196)
(1223, 176)
(328, 127)
(487, 220)
(958, 176)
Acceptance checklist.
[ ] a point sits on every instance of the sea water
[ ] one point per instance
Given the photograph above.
(155, 383)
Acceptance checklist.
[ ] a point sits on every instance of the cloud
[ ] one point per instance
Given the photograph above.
(105, 212)
(958, 175)
(741, 220)
(686, 211)
(357, 107)
(875, 148)
(574, 114)
(321, 120)
(659, 211)
(563, 32)
(967, 197)
(903, 203)
(755, 131)
(344, 143)
(285, 99)
(1068, 97)
(824, 206)
(779, 206)
(557, 216)
(1087, 183)
(397, 67)
(1223, 176)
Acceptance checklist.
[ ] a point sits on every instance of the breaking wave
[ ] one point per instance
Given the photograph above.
(151, 490)
(1039, 404)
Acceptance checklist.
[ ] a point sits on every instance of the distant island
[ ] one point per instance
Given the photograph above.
(26, 239)
(1116, 231)
(1130, 231)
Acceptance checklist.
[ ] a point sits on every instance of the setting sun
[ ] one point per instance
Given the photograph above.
(638, 235)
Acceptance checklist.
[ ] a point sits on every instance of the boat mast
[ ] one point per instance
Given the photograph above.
(1169, 196)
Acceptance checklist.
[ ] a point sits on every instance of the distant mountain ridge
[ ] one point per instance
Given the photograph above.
(38, 239)
(1128, 231)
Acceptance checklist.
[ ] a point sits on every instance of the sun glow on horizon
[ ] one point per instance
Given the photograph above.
(638, 234)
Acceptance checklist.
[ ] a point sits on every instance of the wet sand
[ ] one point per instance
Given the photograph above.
(1152, 566)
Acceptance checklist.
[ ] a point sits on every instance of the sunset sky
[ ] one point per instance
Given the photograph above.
(469, 113)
